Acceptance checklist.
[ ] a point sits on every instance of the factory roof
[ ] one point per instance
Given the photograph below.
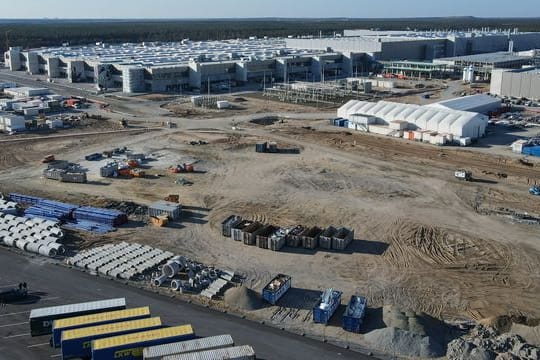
(158, 53)
(467, 103)
(490, 58)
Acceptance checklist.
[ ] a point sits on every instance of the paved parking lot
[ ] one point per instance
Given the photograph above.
(52, 285)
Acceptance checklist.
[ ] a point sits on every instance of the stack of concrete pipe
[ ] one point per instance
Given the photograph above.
(122, 260)
(34, 235)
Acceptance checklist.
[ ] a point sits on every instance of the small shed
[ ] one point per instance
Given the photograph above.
(172, 210)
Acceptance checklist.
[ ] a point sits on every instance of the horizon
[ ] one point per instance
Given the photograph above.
(242, 9)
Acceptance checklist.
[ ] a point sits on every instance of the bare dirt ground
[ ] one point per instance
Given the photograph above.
(424, 241)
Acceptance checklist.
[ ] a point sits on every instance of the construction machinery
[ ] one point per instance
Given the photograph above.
(184, 168)
(48, 159)
(463, 175)
(535, 190)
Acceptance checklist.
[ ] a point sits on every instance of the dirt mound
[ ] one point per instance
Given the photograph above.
(243, 298)
(527, 328)
(412, 244)
(396, 341)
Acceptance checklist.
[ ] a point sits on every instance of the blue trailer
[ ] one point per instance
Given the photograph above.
(130, 347)
(326, 306)
(77, 343)
(103, 318)
(276, 288)
(354, 314)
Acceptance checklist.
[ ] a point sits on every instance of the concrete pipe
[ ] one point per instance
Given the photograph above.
(39, 237)
(57, 232)
(171, 268)
(28, 233)
(50, 239)
(176, 285)
(33, 247)
(4, 234)
(9, 217)
(159, 280)
(22, 243)
(4, 226)
(9, 240)
(30, 223)
(58, 247)
(47, 251)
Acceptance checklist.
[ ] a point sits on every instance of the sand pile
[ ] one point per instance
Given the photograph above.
(396, 341)
(243, 298)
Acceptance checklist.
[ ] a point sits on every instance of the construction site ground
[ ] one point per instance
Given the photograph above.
(425, 241)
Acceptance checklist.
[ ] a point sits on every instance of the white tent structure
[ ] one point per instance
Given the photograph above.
(479, 103)
(440, 120)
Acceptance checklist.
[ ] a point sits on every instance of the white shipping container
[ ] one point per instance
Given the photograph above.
(399, 125)
(464, 141)
(381, 130)
(418, 135)
(182, 347)
(245, 352)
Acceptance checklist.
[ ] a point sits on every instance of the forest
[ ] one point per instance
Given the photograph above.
(52, 32)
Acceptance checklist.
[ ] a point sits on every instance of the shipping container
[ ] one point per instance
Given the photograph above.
(189, 346)
(229, 223)
(41, 320)
(262, 236)
(248, 234)
(325, 239)
(294, 238)
(531, 150)
(162, 207)
(244, 352)
(103, 318)
(237, 230)
(77, 343)
(326, 306)
(130, 347)
(276, 288)
(354, 314)
(342, 238)
(310, 237)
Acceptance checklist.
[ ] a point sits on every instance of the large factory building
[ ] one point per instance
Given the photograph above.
(522, 83)
(186, 66)
(420, 45)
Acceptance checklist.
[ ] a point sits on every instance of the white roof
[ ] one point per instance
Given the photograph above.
(442, 120)
(468, 103)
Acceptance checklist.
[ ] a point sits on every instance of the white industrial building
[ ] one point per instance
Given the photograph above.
(186, 65)
(523, 83)
(363, 115)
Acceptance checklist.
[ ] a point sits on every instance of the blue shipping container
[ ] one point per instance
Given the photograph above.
(276, 288)
(354, 314)
(326, 306)
(531, 150)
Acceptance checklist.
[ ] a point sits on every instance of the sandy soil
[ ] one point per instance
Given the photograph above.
(424, 240)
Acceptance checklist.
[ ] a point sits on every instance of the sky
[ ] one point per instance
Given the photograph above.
(97, 9)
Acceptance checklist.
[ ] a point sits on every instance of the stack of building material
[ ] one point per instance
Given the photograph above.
(8, 207)
(326, 306)
(262, 236)
(183, 347)
(25, 199)
(229, 223)
(109, 217)
(33, 235)
(52, 210)
(278, 239)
